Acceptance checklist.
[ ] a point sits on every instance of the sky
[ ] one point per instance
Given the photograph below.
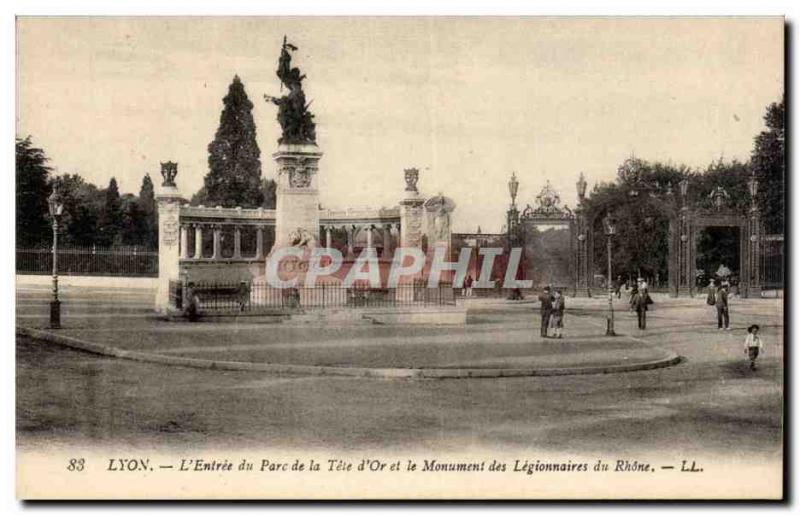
(468, 101)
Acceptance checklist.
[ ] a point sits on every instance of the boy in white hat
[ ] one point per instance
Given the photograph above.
(752, 345)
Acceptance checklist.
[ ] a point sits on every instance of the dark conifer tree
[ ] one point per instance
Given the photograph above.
(33, 188)
(269, 187)
(147, 205)
(234, 166)
(111, 217)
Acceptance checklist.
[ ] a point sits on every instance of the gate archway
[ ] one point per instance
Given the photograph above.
(685, 226)
(547, 234)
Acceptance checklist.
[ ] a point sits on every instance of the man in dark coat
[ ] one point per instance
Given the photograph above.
(546, 307)
(639, 304)
(721, 303)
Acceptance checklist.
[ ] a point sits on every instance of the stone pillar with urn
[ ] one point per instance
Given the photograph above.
(168, 200)
(411, 212)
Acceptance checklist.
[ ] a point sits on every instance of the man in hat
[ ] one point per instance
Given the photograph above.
(618, 287)
(639, 305)
(557, 313)
(721, 303)
(752, 345)
(546, 308)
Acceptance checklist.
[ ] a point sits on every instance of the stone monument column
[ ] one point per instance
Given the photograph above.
(297, 158)
(411, 212)
(297, 202)
(169, 201)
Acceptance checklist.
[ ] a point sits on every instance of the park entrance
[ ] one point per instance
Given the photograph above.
(702, 234)
(718, 255)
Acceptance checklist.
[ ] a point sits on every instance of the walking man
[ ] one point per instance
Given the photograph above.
(632, 298)
(467, 291)
(546, 308)
(557, 314)
(639, 303)
(721, 303)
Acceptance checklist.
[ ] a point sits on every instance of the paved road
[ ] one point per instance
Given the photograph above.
(709, 403)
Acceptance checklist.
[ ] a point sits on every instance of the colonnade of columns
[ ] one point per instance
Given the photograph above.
(199, 230)
(390, 235)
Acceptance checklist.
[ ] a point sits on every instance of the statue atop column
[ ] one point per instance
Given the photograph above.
(296, 120)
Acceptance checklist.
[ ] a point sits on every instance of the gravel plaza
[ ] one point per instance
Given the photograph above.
(694, 403)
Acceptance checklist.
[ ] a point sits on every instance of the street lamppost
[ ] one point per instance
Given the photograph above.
(56, 208)
(512, 216)
(513, 187)
(610, 230)
(752, 185)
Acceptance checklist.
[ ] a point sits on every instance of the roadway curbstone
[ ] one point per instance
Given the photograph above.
(669, 359)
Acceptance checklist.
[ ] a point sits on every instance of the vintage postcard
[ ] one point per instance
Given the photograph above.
(400, 257)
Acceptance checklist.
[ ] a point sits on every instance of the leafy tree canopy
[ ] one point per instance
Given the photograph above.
(769, 163)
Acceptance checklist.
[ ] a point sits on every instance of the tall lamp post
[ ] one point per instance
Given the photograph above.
(56, 208)
(752, 185)
(512, 217)
(610, 230)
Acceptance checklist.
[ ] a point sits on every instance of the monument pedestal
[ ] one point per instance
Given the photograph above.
(297, 195)
(412, 220)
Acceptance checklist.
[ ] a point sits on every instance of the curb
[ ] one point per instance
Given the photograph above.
(669, 359)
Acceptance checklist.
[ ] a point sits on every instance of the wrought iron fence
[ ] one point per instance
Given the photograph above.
(123, 261)
(246, 297)
(176, 295)
(772, 262)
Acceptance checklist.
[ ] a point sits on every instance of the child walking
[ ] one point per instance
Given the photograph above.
(752, 345)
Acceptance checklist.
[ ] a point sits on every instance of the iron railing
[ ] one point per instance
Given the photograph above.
(122, 261)
(772, 261)
(247, 297)
(176, 295)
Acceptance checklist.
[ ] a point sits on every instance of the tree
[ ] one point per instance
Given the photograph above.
(234, 176)
(268, 188)
(133, 227)
(642, 225)
(640, 246)
(110, 223)
(147, 205)
(33, 188)
(768, 160)
(83, 203)
(732, 176)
